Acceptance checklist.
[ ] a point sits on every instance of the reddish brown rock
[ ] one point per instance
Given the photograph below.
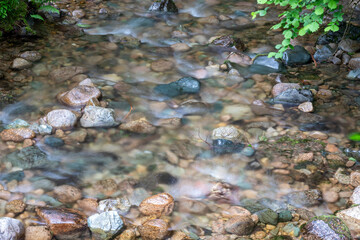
(141, 125)
(17, 134)
(37, 233)
(63, 221)
(160, 204)
(79, 96)
(67, 193)
(154, 229)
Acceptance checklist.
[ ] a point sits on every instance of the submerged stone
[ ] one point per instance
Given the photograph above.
(105, 225)
(323, 54)
(354, 74)
(186, 85)
(167, 6)
(11, 229)
(265, 65)
(268, 216)
(306, 198)
(326, 227)
(98, 117)
(296, 56)
(293, 96)
(26, 158)
(223, 146)
(17, 123)
(54, 142)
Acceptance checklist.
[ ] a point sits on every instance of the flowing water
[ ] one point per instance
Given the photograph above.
(177, 160)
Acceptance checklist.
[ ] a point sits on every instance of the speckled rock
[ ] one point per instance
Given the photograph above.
(27, 158)
(160, 204)
(65, 73)
(17, 134)
(306, 107)
(15, 206)
(98, 117)
(17, 123)
(230, 133)
(306, 198)
(121, 205)
(31, 56)
(240, 225)
(351, 217)
(67, 193)
(141, 125)
(105, 225)
(11, 229)
(79, 96)
(281, 87)
(38, 233)
(61, 119)
(154, 229)
(20, 63)
(161, 65)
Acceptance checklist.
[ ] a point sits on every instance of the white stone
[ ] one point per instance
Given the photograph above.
(228, 132)
(20, 63)
(306, 107)
(355, 197)
(98, 117)
(11, 229)
(351, 217)
(105, 224)
(61, 118)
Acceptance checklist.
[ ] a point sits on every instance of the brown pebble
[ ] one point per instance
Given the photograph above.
(154, 229)
(89, 205)
(37, 233)
(17, 134)
(160, 204)
(240, 225)
(161, 65)
(67, 193)
(15, 206)
(355, 178)
(350, 163)
(330, 196)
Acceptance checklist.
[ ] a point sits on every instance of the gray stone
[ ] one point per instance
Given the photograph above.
(137, 196)
(349, 45)
(323, 54)
(105, 225)
(65, 73)
(351, 217)
(11, 229)
(61, 118)
(98, 117)
(186, 85)
(31, 56)
(26, 158)
(354, 74)
(164, 6)
(296, 56)
(240, 225)
(228, 132)
(354, 63)
(268, 216)
(54, 141)
(17, 123)
(264, 64)
(293, 96)
(355, 197)
(306, 198)
(20, 63)
(121, 205)
(42, 129)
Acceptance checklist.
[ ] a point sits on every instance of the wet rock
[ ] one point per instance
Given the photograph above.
(240, 225)
(61, 119)
(240, 58)
(17, 123)
(167, 6)
(306, 107)
(105, 225)
(79, 96)
(137, 196)
(20, 63)
(141, 125)
(186, 85)
(63, 223)
(351, 218)
(11, 229)
(268, 216)
(306, 198)
(323, 54)
(354, 63)
(65, 73)
(296, 56)
(160, 204)
(229, 41)
(265, 65)
(98, 117)
(355, 197)
(293, 97)
(258, 107)
(37, 233)
(355, 178)
(155, 229)
(121, 205)
(15, 206)
(42, 129)
(54, 142)
(192, 206)
(180, 47)
(224, 146)
(326, 227)
(17, 134)
(31, 56)
(354, 74)
(230, 133)
(349, 45)
(26, 158)
(79, 13)
(162, 65)
(281, 87)
(67, 193)
(129, 42)
(285, 216)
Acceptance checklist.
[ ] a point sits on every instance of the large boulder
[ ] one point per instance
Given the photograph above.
(167, 6)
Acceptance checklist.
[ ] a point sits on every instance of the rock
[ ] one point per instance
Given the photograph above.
(17, 123)
(79, 13)
(240, 225)
(141, 125)
(265, 65)
(67, 193)
(355, 178)
(248, 151)
(160, 204)
(54, 141)
(180, 47)
(296, 56)
(27, 158)
(42, 129)
(342, 177)
(229, 41)
(306, 107)
(121, 205)
(305, 198)
(20, 63)
(323, 54)
(354, 63)
(61, 119)
(63, 222)
(65, 73)
(330, 196)
(236, 211)
(137, 196)
(351, 218)
(349, 45)
(98, 117)
(79, 96)
(240, 58)
(37, 233)
(167, 6)
(128, 234)
(129, 42)
(268, 216)
(354, 74)
(355, 197)
(281, 87)
(224, 146)
(326, 227)
(192, 206)
(285, 216)
(15, 206)
(230, 133)
(162, 65)
(31, 56)
(155, 229)
(293, 97)
(186, 85)
(11, 229)
(105, 225)
(17, 134)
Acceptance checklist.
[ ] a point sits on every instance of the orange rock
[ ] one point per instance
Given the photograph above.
(160, 204)
(17, 134)
(154, 229)
(331, 148)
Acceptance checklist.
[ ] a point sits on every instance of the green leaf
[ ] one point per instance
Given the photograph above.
(296, 23)
(334, 28)
(285, 42)
(83, 25)
(261, 1)
(352, 159)
(355, 136)
(271, 54)
(332, 4)
(278, 46)
(277, 26)
(303, 31)
(50, 9)
(313, 27)
(36, 16)
(288, 34)
(327, 29)
(319, 10)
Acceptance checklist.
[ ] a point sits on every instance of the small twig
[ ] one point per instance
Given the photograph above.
(312, 57)
(205, 141)
(131, 108)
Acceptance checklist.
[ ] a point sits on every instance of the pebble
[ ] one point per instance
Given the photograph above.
(355, 178)
(141, 125)
(318, 135)
(38, 233)
(32, 56)
(15, 206)
(303, 157)
(98, 117)
(154, 229)
(281, 87)
(306, 107)
(235, 211)
(160, 204)
(11, 229)
(89, 205)
(180, 47)
(162, 65)
(230, 133)
(240, 225)
(61, 119)
(67, 193)
(65, 73)
(105, 225)
(17, 134)
(355, 197)
(78, 13)
(20, 63)
(79, 96)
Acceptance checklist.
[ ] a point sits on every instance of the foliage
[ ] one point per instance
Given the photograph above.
(355, 136)
(302, 17)
(15, 12)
